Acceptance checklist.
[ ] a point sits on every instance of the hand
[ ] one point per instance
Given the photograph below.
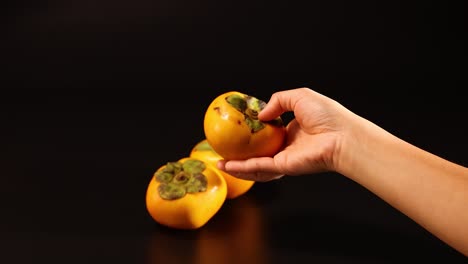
(313, 137)
(325, 136)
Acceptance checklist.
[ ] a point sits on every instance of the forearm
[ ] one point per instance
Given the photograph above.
(428, 189)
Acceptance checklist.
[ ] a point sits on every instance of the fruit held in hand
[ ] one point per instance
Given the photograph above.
(233, 130)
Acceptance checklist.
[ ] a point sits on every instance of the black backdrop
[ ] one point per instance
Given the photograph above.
(97, 94)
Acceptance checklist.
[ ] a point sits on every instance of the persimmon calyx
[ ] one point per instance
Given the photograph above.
(177, 179)
(203, 146)
(250, 106)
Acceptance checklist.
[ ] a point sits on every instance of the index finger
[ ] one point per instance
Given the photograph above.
(281, 102)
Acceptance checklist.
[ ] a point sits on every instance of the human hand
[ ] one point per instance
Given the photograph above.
(312, 142)
(326, 136)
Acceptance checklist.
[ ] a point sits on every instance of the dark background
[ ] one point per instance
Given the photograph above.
(98, 94)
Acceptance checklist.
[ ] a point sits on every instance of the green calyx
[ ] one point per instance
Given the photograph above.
(179, 178)
(250, 106)
(203, 146)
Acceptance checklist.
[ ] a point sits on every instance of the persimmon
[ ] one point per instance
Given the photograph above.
(185, 194)
(233, 130)
(235, 186)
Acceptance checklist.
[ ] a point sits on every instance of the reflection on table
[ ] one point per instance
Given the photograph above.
(234, 234)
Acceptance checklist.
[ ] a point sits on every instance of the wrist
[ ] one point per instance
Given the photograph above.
(358, 146)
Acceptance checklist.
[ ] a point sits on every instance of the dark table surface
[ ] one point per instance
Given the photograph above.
(97, 95)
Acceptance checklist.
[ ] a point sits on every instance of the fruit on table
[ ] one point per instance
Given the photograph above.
(185, 194)
(233, 130)
(235, 186)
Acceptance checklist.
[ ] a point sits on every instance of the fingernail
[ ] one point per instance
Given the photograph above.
(220, 164)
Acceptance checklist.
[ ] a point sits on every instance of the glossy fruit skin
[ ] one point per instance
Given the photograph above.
(232, 138)
(191, 211)
(235, 186)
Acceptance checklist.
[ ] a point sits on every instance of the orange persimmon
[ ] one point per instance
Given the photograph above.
(235, 186)
(185, 194)
(233, 130)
